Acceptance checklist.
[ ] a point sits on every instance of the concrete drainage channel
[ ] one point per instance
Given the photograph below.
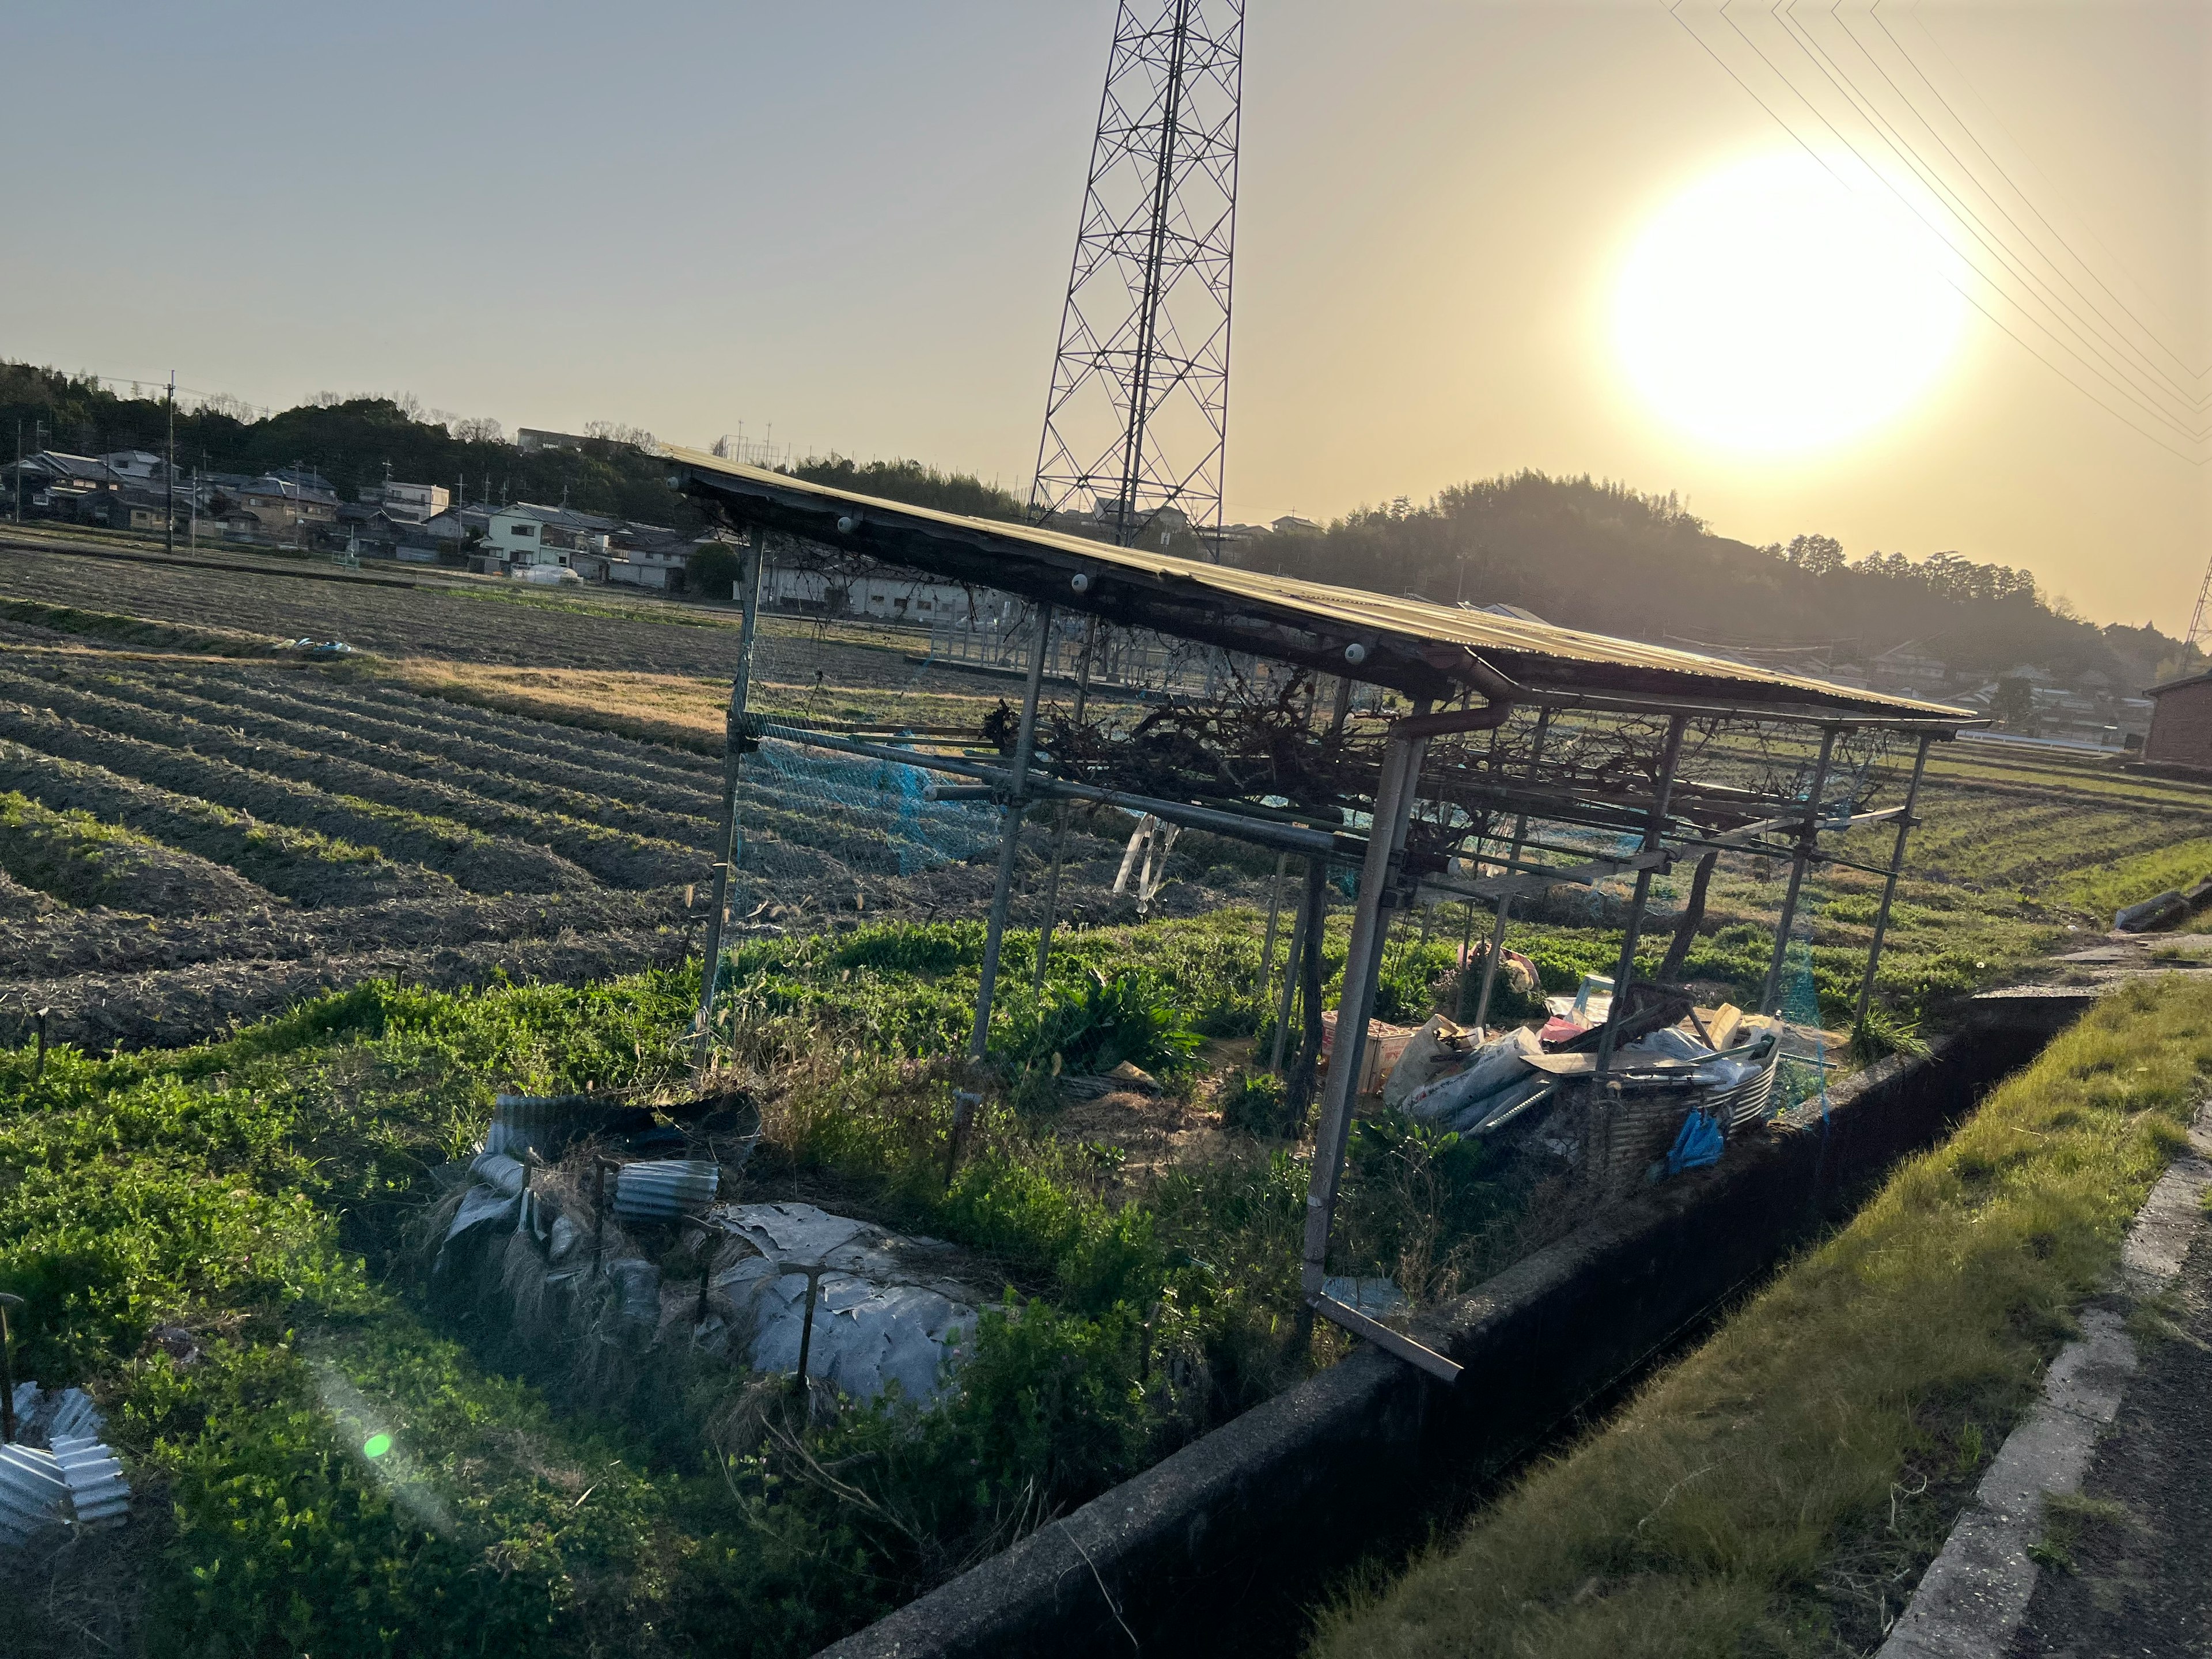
(1222, 1546)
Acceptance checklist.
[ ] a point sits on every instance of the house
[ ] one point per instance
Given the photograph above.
(525, 534)
(1292, 525)
(285, 505)
(408, 502)
(2181, 723)
(136, 506)
(55, 485)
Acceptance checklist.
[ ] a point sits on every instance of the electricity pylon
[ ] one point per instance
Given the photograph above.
(1137, 421)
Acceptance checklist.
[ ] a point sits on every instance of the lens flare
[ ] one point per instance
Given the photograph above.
(1773, 308)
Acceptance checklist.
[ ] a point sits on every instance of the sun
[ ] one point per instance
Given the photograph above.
(1773, 308)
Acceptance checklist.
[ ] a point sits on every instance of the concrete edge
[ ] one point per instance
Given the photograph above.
(1970, 1603)
(1258, 1515)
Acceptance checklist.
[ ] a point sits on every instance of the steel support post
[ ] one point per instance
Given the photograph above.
(1889, 883)
(1505, 901)
(1395, 793)
(729, 842)
(1290, 989)
(1807, 832)
(1305, 965)
(1009, 845)
(1654, 827)
(1060, 814)
(1274, 918)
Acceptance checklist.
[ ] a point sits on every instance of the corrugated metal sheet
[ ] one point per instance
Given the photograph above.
(34, 1496)
(1540, 655)
(99, 1495)
(662, 1188)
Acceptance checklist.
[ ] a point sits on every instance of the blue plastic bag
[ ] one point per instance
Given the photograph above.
(1698, 1144)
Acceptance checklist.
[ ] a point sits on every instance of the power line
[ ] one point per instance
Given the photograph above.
(1674, 10)
(1932, 176)
(1905, 52)
(2126, 390)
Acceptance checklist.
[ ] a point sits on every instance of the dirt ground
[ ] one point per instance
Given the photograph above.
(298, 827)
(2130, 1572)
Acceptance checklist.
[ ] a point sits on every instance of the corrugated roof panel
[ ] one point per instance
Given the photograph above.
(1542, 655)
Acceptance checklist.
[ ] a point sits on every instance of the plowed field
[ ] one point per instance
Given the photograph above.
(191, 842)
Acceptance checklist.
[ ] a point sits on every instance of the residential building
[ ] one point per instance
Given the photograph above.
(283, 506)
(527, 534)
(56, 485)
(414, 501)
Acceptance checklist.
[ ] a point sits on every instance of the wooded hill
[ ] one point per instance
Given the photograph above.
(1603, 556)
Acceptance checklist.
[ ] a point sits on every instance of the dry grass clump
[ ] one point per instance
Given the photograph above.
(1779, 1490)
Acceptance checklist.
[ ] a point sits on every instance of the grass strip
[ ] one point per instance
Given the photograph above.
(138, 631)
(1779, 1491)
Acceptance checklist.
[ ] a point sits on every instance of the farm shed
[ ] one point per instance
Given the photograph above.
(2181, 723)
(1525, 757)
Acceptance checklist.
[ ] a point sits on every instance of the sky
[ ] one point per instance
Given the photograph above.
(852, 222)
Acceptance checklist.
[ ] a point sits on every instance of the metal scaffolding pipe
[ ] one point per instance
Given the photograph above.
(1394, 793)
(1010, 843)
(1808, 830)
(1626, 974)
(1512, 860)
(1904, 821)
(1261, 831)
(729, 842)
(1060, 814)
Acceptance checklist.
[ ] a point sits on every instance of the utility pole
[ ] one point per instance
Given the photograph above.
(169, 477)
(16, 494)
(299, 505)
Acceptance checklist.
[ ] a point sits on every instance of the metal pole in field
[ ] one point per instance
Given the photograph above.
(1061, 813)
(1653, 826)
(1289, 985)
(995, 931)
(1274, 917)
(1807, 832)
(1395, 792)
(1305, 962)
(1889, 884)
(1506, 901)
(169, 476)
(729, 845)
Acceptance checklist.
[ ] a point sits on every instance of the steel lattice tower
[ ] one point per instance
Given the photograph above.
(1138, 417)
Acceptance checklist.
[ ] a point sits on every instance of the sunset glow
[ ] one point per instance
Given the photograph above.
(1772, 308)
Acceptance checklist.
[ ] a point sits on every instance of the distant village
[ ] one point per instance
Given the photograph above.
(412, 523)
(553, 543)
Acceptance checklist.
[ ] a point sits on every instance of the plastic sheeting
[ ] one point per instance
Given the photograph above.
(883, 1312)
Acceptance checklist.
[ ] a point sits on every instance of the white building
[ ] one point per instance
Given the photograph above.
(888, 599)
(525, 534)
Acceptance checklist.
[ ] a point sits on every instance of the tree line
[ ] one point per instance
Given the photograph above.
(1602, 555)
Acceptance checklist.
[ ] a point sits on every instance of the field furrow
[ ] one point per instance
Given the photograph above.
(625, 860)
(479, 862)
(542, 763)
(306, 866)
(86, 862)
(519, 782)
(605, 752)
(57, 943)
(103, 1012)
